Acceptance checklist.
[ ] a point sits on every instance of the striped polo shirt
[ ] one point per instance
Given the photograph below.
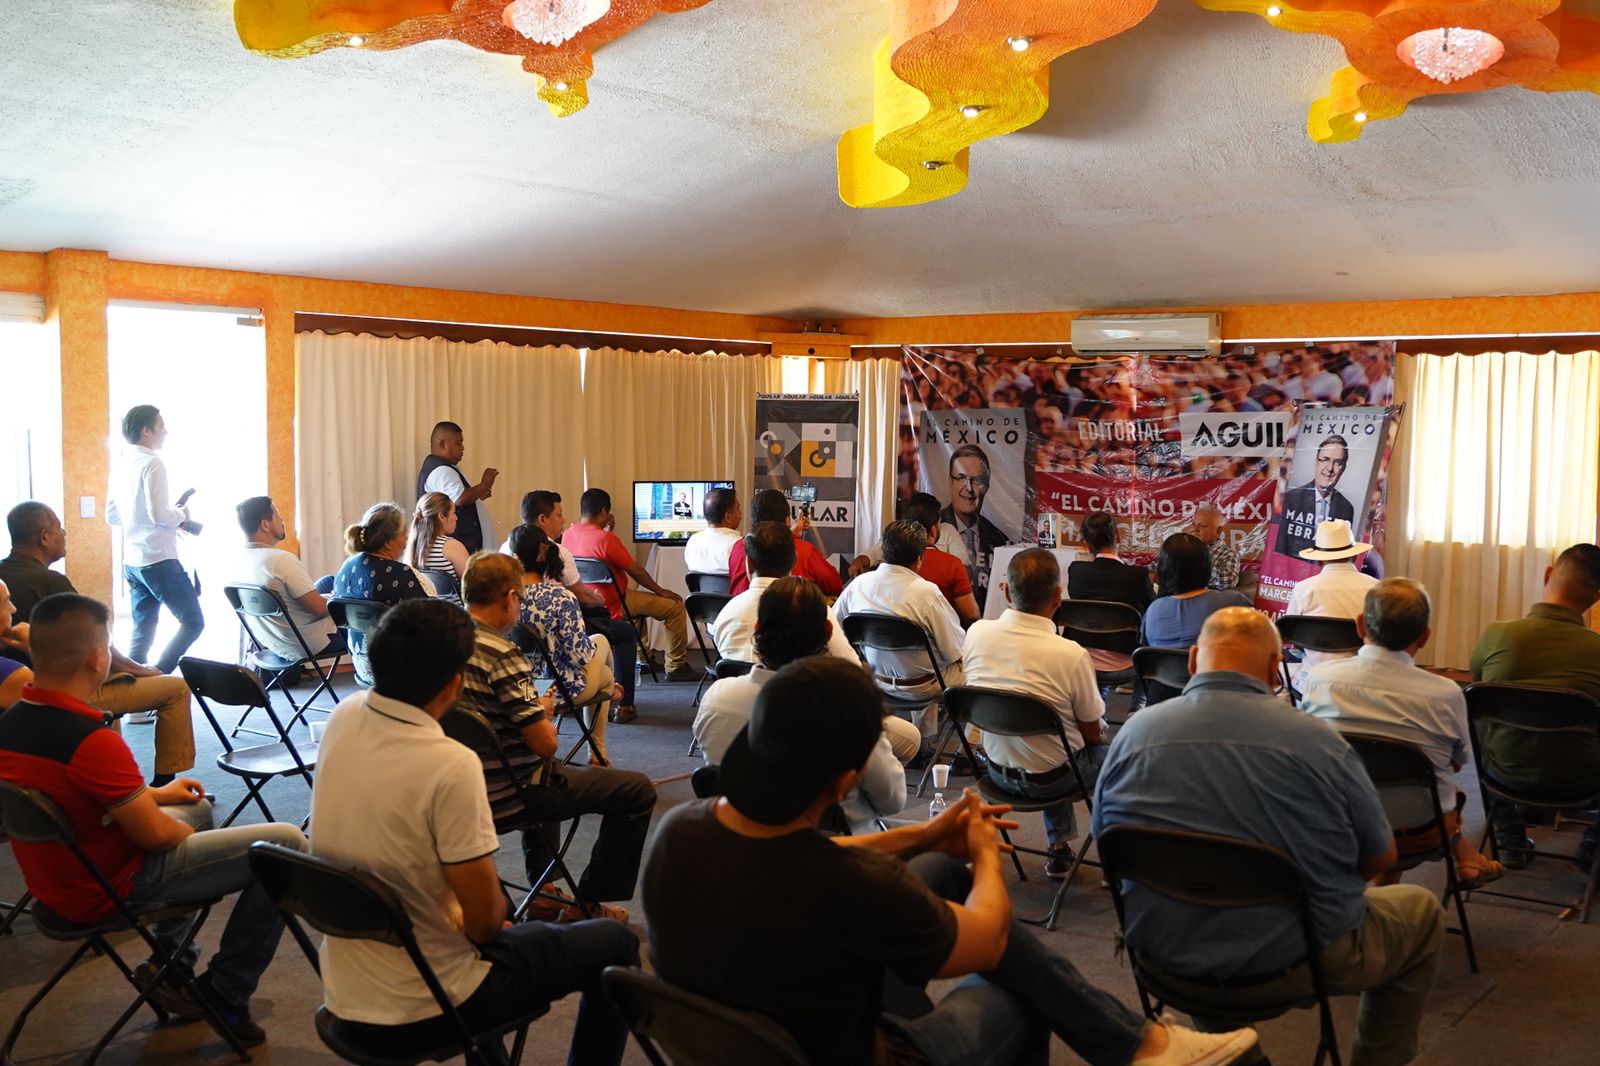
(498, 683)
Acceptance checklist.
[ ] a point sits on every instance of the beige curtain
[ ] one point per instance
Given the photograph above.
(366, 405)
(1497, 466)
(878, 383)
(655, 416)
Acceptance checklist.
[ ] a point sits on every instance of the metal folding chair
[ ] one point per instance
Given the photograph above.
(31, 817)
(1314, 633)
(531, 643)
(889, 633)
(1162, 671)
(702, 609)
(256, 602)
(1547, 712)
(356, 616)
(691, 1029)
(703, 582)
(1103, 625)
(1213, 871)
(255, 766)
(599, 572)
(352, 904)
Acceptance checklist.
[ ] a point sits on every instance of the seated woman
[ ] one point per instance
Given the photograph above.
(1174, 618)
(431, 547)
(14, 673)
(579, 662)
(375, 571)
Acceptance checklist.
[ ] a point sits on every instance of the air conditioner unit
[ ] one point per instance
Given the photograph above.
(1196, 335)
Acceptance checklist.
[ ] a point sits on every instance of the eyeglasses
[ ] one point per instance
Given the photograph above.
(980, 480)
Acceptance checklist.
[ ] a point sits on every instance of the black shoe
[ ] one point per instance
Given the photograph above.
(961, 766)
(182, 1004)
(1515, 854)
(1585, 854)
(236, 1015)
(1059, 862)
(622, 713)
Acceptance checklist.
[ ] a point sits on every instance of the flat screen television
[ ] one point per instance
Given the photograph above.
(670, 511)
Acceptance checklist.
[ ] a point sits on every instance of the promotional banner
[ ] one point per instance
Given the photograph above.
(806, 445)
(1149, 438)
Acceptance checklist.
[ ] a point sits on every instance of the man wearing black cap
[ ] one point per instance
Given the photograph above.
(813, 925)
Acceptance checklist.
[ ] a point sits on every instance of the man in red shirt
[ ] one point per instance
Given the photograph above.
(771, 505)
(940, 567)
(592, 538)
(152, 844)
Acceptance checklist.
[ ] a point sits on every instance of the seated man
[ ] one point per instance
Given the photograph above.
(399, 799)
(15, 673)
(768, 556)
(771, 505)
(1228, 758)
(592, 538)
(1207, 526)
(39, 540)
(822, 922)
(1104, 576)
(1383, 692)
(794, 623)
(152, 844)
(1021, 652)
(499, 685)
(946, 539)
(708, 551)
(948, 573)
(1554, 648)
(265, 564)
(895, 588)
(1339, 590)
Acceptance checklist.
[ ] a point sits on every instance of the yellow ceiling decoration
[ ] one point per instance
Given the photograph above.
(1400, 50)
(295, 28)
(953, 72)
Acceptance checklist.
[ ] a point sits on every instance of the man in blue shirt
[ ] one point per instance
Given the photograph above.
(1228, 758)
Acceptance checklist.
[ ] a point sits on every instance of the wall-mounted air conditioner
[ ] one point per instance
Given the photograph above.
(1196, 334)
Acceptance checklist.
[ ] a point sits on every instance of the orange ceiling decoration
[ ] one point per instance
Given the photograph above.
(295, 28)
(1536, 44)
(953, 72)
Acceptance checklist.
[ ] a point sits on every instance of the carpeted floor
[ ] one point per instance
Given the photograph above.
(1533, 997)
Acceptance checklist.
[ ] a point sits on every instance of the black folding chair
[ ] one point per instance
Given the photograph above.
(532, 644)
(1402, 773)
(255, 766)
(468, 727)
(732, 668)
(1549, 713)
(702, 609)
(256, 602)
(698, 581)
(351, 904)
(1015, 715)
(1105, 626)
(445, 584)
(599, 572)
(31, 817)
(681, 1028)
(888, 633)
(1214, 871)
(1162, 671)
(1313, 633)
(356, 616)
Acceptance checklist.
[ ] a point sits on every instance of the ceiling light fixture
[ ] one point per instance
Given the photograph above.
(1274, 11)
(932, 164)
(1019, 44)
(1451, 53)
(1360, 116)
(561, 86)
(357, 41)
(553, 22)
(972, 110)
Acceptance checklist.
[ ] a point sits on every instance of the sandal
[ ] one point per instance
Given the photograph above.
(1494, 871)
(563, 909)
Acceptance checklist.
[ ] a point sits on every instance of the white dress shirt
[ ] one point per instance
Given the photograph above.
(1023, 653)
(903, 593)
(1339, 591)
(734, 631)
(727, 707)
(140, 501)
(1387, 694)
(707, 551)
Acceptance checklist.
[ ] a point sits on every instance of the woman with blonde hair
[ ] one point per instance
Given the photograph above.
(375, 571)
(431, 546)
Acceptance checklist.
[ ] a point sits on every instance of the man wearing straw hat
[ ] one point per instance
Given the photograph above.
(1339, 591)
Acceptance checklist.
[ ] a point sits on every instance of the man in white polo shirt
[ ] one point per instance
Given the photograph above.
(707, 551)
(769, 554)
(265, 564)
(1021, 652)
(398, 799)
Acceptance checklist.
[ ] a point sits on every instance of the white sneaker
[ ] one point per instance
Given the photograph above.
(141, 718)
(1186, 1047)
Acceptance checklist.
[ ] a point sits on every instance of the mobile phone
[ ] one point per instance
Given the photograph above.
(804, 495)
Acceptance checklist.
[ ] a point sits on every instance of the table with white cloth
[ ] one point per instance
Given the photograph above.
(667, 567)
(995, 606)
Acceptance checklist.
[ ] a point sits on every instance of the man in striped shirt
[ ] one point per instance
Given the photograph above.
(498, 683)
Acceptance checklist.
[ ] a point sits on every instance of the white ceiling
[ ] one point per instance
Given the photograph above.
(1172, 168)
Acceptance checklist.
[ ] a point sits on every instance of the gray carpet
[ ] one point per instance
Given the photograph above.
(1532, 999)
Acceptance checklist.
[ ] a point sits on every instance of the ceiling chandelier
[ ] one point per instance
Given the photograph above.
(553, 21)
(1450, 54)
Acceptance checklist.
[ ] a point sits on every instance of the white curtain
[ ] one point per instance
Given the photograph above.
(878, 383)
(366, 405)
(1497, 474)
(657, 416)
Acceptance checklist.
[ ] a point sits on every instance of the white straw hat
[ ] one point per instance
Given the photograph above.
(1334, 541)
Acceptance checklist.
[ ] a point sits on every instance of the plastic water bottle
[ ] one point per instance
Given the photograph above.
(941, 781)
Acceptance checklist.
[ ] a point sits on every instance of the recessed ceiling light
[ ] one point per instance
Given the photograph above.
(357, 41)
(1274, 11)
(1360, 116)
(933, 164)
(973, 110)
(1019, 44)
(561, 86)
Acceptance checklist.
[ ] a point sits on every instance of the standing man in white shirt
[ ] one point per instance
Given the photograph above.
(141, 503)
(265, 564)
(1339, 591)
(708, 550)
(1021, 652)
(439, 473)
(895, 588)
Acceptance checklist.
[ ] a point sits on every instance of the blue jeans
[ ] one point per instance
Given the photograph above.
(150, 587)
(1061, 820)
(1005, 1017)
(211, 863)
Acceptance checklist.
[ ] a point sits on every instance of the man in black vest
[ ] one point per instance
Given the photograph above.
(440, 474)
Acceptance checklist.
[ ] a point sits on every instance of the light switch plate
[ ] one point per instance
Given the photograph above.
(86, 506)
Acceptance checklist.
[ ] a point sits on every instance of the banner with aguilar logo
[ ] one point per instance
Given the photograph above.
(809, 442)
(1150, 439)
